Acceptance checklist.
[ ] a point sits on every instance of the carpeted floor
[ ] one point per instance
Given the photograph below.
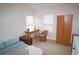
(50, 47)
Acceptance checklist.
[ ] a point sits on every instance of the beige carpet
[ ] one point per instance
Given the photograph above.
(50, 47)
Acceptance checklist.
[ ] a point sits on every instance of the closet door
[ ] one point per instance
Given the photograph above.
(60, 25)
(67, 29)
(64, 29)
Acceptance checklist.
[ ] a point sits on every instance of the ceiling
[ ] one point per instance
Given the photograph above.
(44, 7)
(48, 6)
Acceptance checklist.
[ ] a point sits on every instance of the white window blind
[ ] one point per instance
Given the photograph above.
(48, 22)
(30, 22)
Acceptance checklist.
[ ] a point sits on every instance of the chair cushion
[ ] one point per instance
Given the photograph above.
(10, 42)
(1, 46)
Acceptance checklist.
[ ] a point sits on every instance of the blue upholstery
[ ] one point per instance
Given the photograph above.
(9, 48)
(1, 46)
(10, 44)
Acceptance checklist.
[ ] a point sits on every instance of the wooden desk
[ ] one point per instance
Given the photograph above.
(33, 34)
(31, 31)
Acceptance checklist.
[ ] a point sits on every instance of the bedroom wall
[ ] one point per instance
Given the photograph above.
(13, 20)
(76, 23)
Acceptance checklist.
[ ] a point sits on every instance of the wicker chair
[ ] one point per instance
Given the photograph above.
(43, 36)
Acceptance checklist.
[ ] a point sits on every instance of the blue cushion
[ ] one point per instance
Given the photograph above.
(1, 46)
(10, 42)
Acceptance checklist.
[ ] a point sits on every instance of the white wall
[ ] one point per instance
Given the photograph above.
(1, 28)
(76, 23)
(13, 21)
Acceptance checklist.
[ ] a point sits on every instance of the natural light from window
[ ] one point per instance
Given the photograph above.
(30, 22)
(48, 22)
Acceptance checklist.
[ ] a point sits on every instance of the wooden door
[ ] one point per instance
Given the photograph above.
(64, 29)
(67, 29)
(60, 24)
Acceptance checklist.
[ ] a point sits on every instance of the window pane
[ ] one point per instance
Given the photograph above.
(29, 20)
(49, 27)
(48, 19)
(49, 22)
(37, 23)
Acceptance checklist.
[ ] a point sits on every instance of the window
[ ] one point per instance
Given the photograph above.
(37, 23)
(48, 22)
(30, 22)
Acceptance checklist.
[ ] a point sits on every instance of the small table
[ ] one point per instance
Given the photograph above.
(26, 40)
